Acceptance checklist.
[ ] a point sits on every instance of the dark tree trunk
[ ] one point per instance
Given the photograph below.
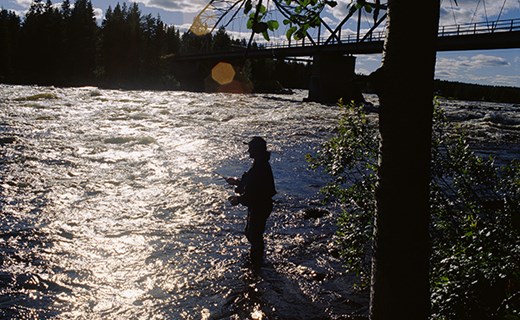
(400, 267)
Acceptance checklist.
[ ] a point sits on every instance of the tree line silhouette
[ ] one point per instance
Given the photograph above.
(64, 46)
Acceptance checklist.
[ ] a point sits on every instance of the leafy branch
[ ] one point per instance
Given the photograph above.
(474, 206)
(300, 15)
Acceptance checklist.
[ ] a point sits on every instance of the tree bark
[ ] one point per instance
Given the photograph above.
(400, 266)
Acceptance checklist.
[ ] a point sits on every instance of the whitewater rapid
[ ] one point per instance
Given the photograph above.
(113, 204)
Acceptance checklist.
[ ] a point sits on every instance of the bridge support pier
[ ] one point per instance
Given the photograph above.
(333, 78)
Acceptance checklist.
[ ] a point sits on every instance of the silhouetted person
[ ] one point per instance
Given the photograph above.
(256, 189)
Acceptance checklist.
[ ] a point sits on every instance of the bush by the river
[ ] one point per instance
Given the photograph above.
(475, 216)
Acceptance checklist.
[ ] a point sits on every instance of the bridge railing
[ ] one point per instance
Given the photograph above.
(347, 38)
(444, 31)
(480, 28)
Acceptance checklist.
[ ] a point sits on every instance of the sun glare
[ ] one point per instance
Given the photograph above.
(223, 73)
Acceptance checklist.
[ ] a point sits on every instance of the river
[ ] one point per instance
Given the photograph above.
(113, 204)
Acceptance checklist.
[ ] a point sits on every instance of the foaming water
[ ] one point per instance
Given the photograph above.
(113, 205)
(493, 128)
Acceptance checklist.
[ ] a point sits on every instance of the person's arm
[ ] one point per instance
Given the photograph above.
(240, 189)
(233, 181)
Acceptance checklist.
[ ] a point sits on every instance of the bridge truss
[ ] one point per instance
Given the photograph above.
(222, 13)
(219, 13)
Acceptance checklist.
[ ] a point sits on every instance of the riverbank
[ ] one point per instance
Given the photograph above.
(447, 89)
(461, 91)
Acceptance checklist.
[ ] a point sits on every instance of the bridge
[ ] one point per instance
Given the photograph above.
(333, 52)
(502, 34)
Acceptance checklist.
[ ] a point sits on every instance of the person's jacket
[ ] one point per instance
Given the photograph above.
(256, 186)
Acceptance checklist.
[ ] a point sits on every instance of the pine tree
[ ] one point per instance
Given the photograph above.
(173, 40)
(51, 24)
(82, 41)
(32, 43)
(9, 41)
(221, 40)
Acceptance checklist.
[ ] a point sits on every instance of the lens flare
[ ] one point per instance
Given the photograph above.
(223, 73)
(199, 28)
(205, 21)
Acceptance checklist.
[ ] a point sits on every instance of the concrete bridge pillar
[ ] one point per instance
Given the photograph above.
(333, 78)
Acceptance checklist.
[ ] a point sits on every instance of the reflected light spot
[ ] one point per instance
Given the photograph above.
(206, 314)
(198, 28)
(205, 21)
(223, 73)
(132, 294)
(257, 314)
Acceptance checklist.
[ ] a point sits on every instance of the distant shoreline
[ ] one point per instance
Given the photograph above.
(461, 91)
(447, 89)
(475, 92)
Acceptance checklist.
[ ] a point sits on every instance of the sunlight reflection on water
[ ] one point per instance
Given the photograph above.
(132, 210)
(114, 207)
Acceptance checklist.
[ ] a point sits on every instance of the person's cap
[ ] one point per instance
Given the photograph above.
(257, 143)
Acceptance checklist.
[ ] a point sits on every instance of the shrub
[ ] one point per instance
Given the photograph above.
(475, 216)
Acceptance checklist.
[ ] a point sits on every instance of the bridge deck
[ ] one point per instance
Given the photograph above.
(504, 34)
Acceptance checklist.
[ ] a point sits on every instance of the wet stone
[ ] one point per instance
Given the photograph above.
(314, 213)
(7, 140)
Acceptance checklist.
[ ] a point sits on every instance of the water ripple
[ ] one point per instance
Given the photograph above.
(113, 205)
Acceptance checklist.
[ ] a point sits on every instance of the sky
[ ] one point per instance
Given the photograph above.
(488, 67)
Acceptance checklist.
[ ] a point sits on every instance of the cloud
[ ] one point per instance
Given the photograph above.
(482, 60)
(24, 3)
(470, 69)
(366, 64)
(516, 60)
(471, 11)
(479, 61)
(451, 12)
(494, 80)
(185, 6)
(98, 14)
(328, 20)
(506, 80)
(183, 27)
(341, 10)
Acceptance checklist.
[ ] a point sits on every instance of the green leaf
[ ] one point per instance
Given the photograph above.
(290, 32)
(300, 34)
(315, 22)
(248, 6)
(331, 4)
(266, 35)
(368, 8)
(286, 22)
(273, 25)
